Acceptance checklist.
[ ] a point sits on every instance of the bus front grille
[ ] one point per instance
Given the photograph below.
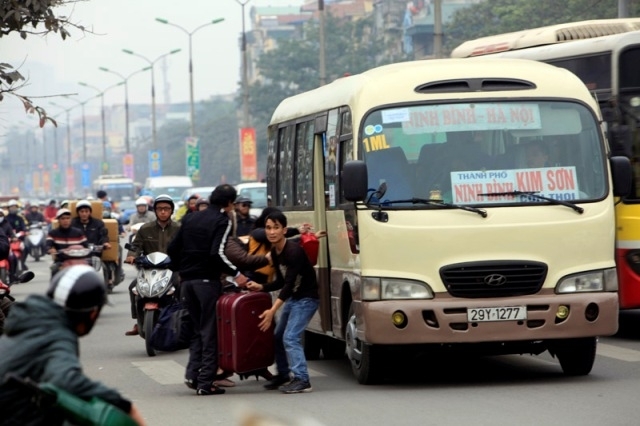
(493, 279)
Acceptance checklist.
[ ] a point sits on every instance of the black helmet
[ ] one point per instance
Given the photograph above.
(164, 198)
(78, 288)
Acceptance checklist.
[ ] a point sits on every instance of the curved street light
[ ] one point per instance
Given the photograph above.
(192, 131)
(104, 131)
(125, 81)
(153, 89)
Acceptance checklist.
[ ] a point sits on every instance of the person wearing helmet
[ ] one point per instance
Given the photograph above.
(202, 204)
(93, 229)
(143, 214)
(151, 237)
(7, 235)
(197, 253)
(41, 342)
(64, 204)
(35, 218)
(15, 219)
(63, 237)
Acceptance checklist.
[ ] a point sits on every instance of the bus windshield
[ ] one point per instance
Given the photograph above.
(456, 152)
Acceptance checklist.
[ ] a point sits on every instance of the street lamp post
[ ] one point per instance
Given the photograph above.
(104, 131)
(84, 127)
(153, 89)
(125, 81)
(245, 79)
(66, 110)
(192, 131)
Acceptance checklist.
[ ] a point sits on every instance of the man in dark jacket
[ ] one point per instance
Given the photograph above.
(93, 229)
(197, 253)
(63, 237)
(151, 237)
(244, 220)
(41, 343)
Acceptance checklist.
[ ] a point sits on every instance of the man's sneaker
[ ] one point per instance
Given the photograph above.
(213, 391)
(296, 386)
(277, 381)
(191, 384)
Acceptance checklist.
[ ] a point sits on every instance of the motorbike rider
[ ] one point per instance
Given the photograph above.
(5, 303)
(18, 223)
(63, 237)
(50, 211)
(41, 342)
(93, 229)
(142, 214)
(34, 217)
(9, 234)
(151, 237)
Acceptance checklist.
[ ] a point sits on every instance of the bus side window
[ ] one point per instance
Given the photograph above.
(304, 164)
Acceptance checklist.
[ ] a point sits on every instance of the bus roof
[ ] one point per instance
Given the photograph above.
(552, 34)
(397, 83)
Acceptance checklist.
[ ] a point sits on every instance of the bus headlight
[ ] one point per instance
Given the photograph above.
(604, 280)
(392, 288)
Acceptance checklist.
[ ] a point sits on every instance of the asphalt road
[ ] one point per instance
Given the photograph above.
(505, 390)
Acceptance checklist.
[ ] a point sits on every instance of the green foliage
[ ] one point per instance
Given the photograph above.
(500, 16)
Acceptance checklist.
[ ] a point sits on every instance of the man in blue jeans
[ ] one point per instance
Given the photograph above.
(296, 280)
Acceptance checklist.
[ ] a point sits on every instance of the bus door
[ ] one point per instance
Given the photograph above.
(340, 216)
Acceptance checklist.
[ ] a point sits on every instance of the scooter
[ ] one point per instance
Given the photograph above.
(17, 248)
(6, 299)
(77, 255)
(154, 290)
(35, 241)
(95, 412)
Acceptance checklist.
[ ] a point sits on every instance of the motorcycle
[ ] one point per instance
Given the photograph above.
(6, 300)
(35, 240)
(107, 268)
(95, 412)
(17, 247)
(77, 255)
(154, 290)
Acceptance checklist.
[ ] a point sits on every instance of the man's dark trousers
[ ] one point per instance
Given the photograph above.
(199, 297)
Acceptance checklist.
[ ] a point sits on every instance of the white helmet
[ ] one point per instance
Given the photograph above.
(141, 202)
(83, 204)
(12, 203)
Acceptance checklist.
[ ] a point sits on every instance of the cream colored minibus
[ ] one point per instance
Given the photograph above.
(468, 204)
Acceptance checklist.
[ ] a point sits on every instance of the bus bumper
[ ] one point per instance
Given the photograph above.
(444, 319)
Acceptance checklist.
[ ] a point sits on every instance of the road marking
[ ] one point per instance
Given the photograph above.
(172, 373)
(617, 352)
(164, 372)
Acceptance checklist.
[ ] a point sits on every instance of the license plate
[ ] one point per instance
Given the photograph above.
(503, 313)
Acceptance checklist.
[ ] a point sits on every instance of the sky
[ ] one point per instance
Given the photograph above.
(54, 67)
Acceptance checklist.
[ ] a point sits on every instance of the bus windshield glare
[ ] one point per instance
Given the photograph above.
(457, 152)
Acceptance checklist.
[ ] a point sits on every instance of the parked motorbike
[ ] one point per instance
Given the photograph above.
(35, 240)
(6, 300)
(154, 290)
(95, 412)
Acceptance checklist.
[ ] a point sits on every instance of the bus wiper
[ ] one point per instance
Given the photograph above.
(535, 194)
(440, 203)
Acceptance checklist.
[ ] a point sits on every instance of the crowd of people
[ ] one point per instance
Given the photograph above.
(215, 237)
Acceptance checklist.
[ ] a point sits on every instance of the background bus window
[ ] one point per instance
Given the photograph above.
(346, 155)
(304, 164)
(272, 152)
(285, 167)
(331, 158)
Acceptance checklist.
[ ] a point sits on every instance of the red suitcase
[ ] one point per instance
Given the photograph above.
(242, 347)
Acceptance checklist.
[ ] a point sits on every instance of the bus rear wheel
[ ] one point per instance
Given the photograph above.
(576, 356)
(366, 360)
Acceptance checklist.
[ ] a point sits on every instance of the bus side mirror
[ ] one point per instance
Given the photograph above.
(620, 140)
(354, 180)
(621, 176)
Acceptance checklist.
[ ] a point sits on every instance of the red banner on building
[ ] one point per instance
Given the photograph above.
(248, 159)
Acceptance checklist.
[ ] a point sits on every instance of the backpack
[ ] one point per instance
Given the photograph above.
(174, 329)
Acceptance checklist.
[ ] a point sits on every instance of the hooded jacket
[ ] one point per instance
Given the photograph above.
(40, 343)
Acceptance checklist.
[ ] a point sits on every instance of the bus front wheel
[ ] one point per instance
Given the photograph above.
(576, 356)
(365, 359)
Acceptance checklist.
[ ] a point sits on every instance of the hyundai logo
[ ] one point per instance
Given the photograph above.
(495, 280)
